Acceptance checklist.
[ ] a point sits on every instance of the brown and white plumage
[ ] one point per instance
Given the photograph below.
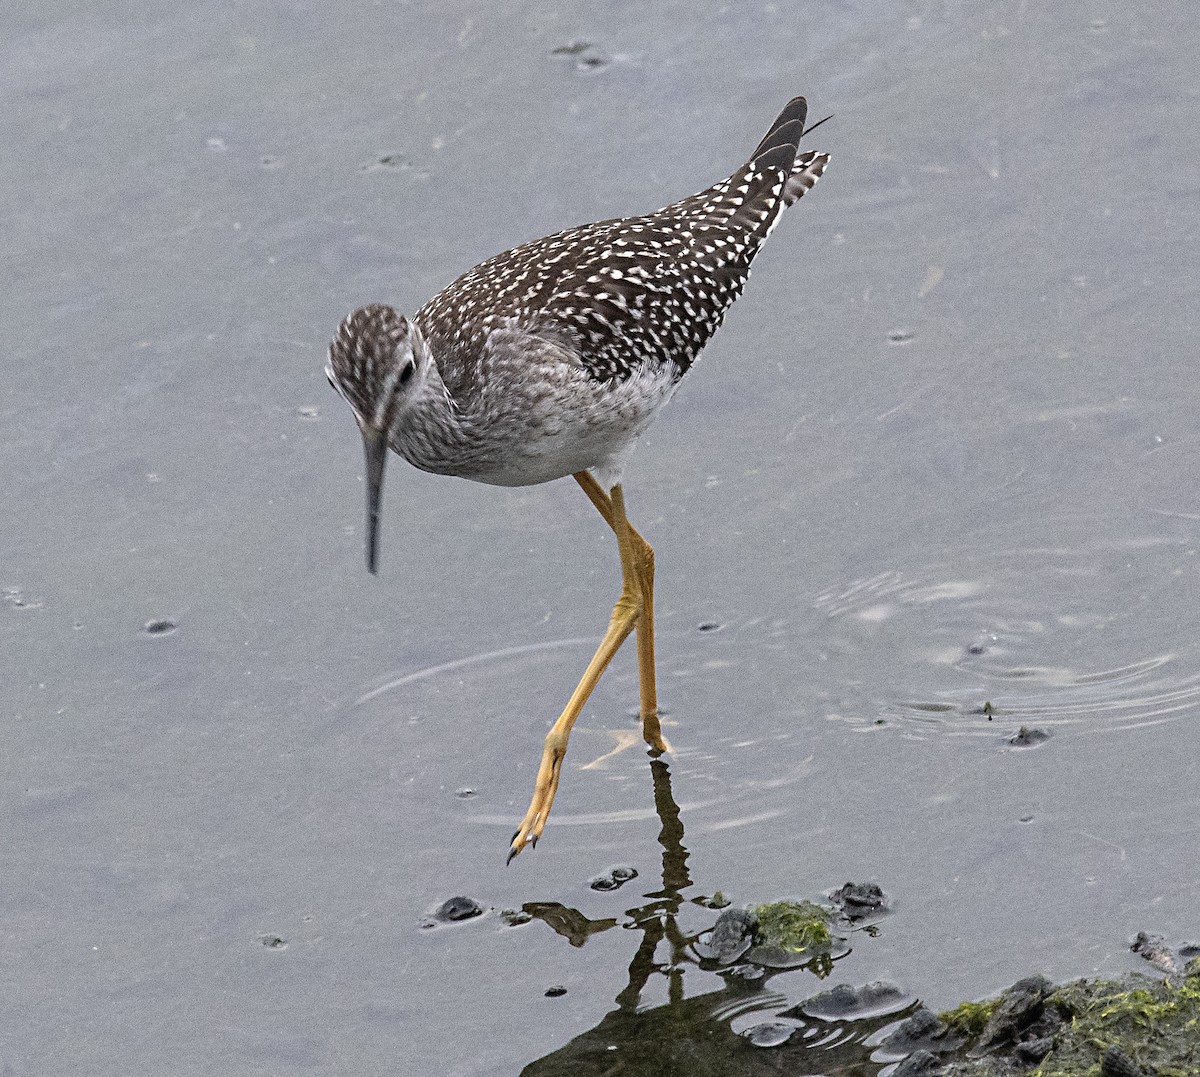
(552, 358)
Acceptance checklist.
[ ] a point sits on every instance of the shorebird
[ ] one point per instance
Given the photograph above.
(552, 359)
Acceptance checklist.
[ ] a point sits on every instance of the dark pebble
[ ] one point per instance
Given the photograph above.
(458, 908)
(857, 900)
(1154, 949)
(614, 878)
(708, 626)
(557, 991)
(160, 627)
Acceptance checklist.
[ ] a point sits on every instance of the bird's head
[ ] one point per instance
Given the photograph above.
(377, 362)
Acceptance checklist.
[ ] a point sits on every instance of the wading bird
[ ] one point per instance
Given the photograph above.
(552, 359)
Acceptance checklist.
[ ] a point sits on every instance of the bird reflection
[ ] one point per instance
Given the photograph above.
(694, 1037)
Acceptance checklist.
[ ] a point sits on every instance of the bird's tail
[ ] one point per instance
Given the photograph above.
(779, 150)
(808, 168)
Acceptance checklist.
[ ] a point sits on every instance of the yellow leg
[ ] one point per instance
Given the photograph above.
(643, 570)
(635, 607)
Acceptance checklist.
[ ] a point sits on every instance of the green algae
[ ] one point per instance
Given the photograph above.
(796, 926)
(1155, 1022)
(969, 1018)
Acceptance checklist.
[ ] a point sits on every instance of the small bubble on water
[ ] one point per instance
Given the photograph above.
(308, 411)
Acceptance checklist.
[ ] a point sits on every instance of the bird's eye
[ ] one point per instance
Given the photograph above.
(407, 372)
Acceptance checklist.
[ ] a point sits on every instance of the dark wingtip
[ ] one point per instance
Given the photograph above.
(786, 130)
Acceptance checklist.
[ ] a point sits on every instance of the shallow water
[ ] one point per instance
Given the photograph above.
(939, 463)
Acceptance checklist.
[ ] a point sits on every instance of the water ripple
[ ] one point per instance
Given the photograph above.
(1096, 639)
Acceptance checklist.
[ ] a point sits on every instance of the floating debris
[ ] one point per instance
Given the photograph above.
(1028, 738)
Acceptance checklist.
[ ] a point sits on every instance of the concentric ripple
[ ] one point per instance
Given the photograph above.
(1097, 639)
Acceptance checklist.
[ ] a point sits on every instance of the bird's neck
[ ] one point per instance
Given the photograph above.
(430, 431)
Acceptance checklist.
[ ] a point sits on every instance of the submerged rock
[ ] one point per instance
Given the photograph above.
(1134, 1027)
(859, 900)
(846, 1001)
(731, 936)
(923, 1031)
(770, 1034)
(459, 908)
(613, 878)
(1028, 738)
(919, 1064)
(1154, 948)
(1021, 1018)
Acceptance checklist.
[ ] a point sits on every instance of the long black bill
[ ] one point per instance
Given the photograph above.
(375, 447)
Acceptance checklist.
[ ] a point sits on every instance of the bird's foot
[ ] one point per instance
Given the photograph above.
(543, 798)
(652, 734)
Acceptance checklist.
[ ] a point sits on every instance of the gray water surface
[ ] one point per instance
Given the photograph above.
(942, 455)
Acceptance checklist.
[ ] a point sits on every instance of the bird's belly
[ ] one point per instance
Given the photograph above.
(535, 437)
